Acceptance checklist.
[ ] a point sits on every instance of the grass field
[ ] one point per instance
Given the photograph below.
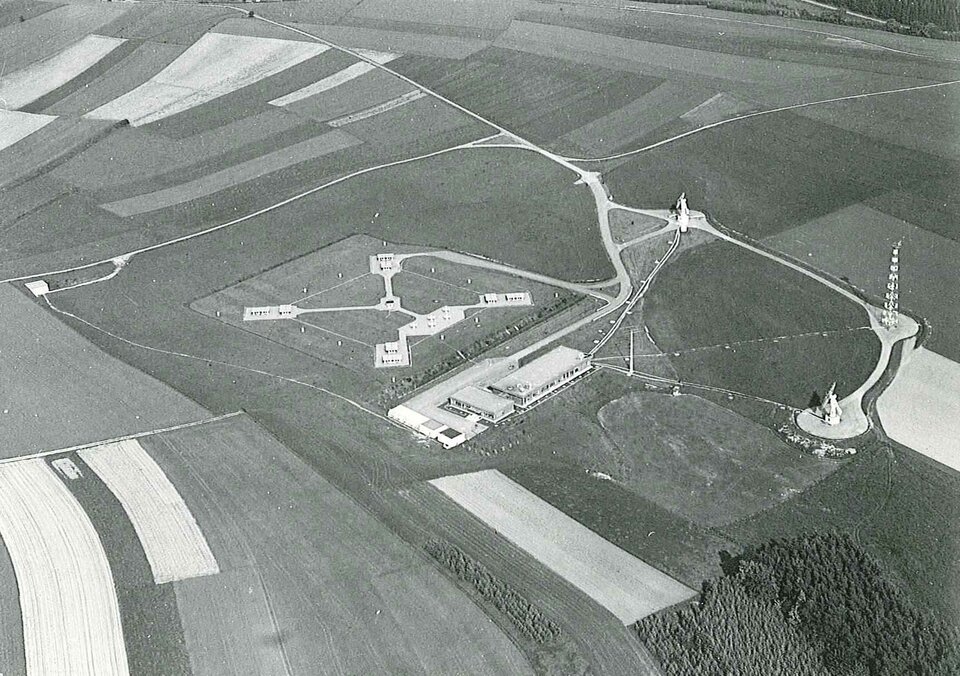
(855, 244)
(12, 656)
(739, 173)
(719, 295)
(325, 566)
(60, 390)
(702, 461)
(896, 503)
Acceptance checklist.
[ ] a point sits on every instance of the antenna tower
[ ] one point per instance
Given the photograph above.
(891, 303)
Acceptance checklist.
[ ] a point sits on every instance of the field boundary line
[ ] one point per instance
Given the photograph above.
(126, 437)
(759, 113)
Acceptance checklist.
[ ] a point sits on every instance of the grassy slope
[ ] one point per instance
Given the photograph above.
(719, 293)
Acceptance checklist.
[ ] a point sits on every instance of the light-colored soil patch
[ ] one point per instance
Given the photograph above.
(353, 95)
(213, 66)
(622, 583)
(235, 175)
(142, 64)
(71, 616)
(716, 108)
(23, 44)
(171, 539)
(340, 77)
(921, 409)
(15, 125)
(702, 461)
(24, 86)
(60, 390)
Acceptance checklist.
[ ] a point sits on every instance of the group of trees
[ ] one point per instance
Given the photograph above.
(943, 14)
(816, 604)
(525, 616)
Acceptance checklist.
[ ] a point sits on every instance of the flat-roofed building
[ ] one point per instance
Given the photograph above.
(481, 402)
(543, 375)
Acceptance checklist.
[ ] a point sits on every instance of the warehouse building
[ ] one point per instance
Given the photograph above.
(477, 401)
(543, 375)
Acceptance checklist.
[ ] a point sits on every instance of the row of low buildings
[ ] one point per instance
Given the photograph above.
(492, 402)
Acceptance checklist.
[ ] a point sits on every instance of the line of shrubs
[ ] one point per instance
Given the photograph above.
(398, 390)
(529, 619)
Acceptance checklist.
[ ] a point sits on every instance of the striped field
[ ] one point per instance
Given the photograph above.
(71, 617)
(171, 538)
(617, 580)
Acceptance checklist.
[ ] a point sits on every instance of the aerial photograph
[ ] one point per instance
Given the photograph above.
(480, 337)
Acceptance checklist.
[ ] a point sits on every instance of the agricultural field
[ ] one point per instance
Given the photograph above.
(60, 390)
(921, 408)
(71, 616)
(625, 585)
(731, 318)
(324, 566)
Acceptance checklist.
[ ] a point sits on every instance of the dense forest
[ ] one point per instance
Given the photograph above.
(943, 14)
(816, 604)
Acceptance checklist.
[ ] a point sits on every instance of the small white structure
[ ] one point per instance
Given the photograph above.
(252, 314)
(683, 212)
(38, 287)
(426, 426)
(830, 410)
(385, 261)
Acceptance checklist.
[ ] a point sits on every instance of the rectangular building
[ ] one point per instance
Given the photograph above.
(543, 375)
(483, 403)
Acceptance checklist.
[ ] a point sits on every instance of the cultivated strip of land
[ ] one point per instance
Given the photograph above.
(171, 538)
(15, 125)
(349, 73)
(25, 86)
(234, 175)
(214, 65)
(617, 580)
(71, 617)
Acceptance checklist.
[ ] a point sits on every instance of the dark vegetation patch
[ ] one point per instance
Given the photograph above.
(151, 622)
(813, 604)
(902, 507)
(524, 615)
(771, 173)
(538, 97)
